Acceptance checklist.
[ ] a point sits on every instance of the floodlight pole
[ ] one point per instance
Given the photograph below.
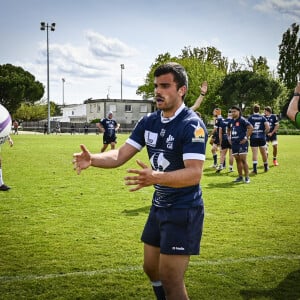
(122, 68)
(52, 28)
(63, 91)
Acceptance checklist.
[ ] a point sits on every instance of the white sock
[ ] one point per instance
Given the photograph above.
(1, 180)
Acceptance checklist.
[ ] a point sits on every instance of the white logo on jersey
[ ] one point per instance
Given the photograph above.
(170, 141)
(150, 138)
(159, 162)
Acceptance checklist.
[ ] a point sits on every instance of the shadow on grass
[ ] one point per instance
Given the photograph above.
(136, 212)
(289, 288)
(228, 184)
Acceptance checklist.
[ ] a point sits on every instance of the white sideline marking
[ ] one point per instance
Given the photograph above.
(138, 268)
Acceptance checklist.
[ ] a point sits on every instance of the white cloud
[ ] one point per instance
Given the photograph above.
(290, 8)
(97, 59)
(105, 47)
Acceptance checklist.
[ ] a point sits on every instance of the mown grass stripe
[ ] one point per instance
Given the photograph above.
(225, 261)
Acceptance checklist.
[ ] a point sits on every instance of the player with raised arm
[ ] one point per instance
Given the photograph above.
(203, 91)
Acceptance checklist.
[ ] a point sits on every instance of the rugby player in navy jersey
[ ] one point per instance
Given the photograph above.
(175, 138)
(272, 134)
(108, 126)
(224, 128)
(258, 138)
(240, 131)
(215, 141)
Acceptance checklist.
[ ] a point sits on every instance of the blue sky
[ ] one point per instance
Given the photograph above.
(93, 37)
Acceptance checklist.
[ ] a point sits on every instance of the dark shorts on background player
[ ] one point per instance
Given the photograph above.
(109, 139)
(174, 230)
(272, 137)
(225, 144)
(257, 142)
(239, 148)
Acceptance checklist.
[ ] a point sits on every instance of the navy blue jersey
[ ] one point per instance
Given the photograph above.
(238, 129)
(169, 143)
(273, 121)
(223, 126)
(218, 121)
(258, 122)
(109, 126)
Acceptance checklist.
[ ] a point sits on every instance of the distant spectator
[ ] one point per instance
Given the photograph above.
(72, 129)
(57, 128)
(86, 128)
(46, 128)
(16, 127)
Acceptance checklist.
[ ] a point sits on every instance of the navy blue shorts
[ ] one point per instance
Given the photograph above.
(174, 230)
(225, 144)
(257, 142)
(239, 148)
(109, 139)
(272, 138)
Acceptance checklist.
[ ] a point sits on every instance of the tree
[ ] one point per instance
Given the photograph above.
(208, 54)
(245, 88)
(289, 57)
(259, 65)
(17, 86)
(36, 112)
(201, 65)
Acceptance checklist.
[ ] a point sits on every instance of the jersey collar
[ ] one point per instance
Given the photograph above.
(177, 112)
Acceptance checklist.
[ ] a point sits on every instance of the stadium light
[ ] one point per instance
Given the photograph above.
(122, 68)
(46, 26)
(63, 91)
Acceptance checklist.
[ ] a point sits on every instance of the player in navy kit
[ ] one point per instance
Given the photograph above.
(215, 141)
(240, 131)
(258, 138)
(272, 134)
(224, 127)
(175, 138)
(108, 126)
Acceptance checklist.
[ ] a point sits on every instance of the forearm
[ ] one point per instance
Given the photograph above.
(197, 103)
(293, 108)
(108, 159)
(113, 158)
(179, 178)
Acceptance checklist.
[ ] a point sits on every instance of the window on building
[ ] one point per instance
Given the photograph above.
(112, 107)
(143, 108)
(128, 108)
(98, 107)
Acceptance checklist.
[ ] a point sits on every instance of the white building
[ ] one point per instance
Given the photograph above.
(126, 112)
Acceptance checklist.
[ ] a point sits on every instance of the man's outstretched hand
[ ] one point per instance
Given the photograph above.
(81, 160)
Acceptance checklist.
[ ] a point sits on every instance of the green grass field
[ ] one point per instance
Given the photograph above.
(64, 236)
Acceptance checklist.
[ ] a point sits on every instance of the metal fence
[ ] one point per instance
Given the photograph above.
(67, 127)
